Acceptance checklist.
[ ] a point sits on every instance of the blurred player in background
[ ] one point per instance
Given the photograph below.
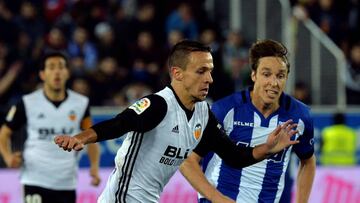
(165, 127)
(49, 175)
(248, 116)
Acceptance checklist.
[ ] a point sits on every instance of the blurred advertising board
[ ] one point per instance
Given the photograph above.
(331, 185)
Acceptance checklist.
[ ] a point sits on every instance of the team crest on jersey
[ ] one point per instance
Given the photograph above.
(197, 131)
(72, 115)
(140, 105)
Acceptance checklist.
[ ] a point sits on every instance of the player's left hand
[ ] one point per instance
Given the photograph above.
(95, 178)
(280, 138)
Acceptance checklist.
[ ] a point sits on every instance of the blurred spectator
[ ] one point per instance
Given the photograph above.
(80, 45)
(121, 31)
(81, 86)
(235, 54)
(119, 100)
(352, 76)
(209, 37)
(182, 19)
(55, 40)
(135, 91)
(77, 66)
(129, 94)
(6, 23)
(106, 81)
(23, 48)
(235, 59)
(53, 9)
(30, 22)
(172, 38)
(302, 93)
(222, 85)
(354, 20)
(327, 15)
(145, 60)
(145, 20)
(106, 44)
(338, 143)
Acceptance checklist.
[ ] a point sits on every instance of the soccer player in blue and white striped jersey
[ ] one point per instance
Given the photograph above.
(247, 118)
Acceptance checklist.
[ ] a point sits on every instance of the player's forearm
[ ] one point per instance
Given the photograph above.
(94, 155)
(305, 179)
(261, 152)
(191, 170)
(87, 136)
(5, 148)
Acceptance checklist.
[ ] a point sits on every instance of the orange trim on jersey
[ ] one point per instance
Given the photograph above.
(86, 123)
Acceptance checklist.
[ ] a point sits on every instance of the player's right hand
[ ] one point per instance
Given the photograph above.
(280, 138)
(68, 143)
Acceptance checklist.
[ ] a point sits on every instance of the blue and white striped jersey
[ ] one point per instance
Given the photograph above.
(245, 125)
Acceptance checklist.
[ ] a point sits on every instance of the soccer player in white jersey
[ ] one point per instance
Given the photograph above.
(247, 117)
(47, 174)
(164, 128)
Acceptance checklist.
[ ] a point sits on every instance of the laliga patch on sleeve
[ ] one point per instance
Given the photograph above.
(11, 113)
(140, 105)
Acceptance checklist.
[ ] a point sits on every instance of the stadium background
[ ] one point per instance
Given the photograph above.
(118, 48)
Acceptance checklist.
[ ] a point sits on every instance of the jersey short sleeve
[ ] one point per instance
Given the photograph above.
(16, 116)
(86, 121)
(305, 149)
(218, 111)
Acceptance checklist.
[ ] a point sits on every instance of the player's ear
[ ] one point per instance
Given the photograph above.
(42, 75)
(176, 73)
(253, 76)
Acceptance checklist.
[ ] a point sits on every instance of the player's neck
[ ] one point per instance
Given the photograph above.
(54, 95)
(266, 109)
(187, 101)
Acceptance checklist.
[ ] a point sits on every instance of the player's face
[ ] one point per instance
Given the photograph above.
(55, 73)
(269, 79)
(197, 75)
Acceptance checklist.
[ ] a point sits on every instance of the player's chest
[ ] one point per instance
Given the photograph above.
(251, 128)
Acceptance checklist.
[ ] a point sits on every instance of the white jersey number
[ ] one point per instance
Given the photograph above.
(35, 198)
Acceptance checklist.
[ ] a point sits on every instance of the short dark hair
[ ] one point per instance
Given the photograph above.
(53, 54)
(179, 53)
(339, 118)
(264, 48)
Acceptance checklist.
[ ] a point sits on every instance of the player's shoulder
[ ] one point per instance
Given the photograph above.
(154, 99)
(296, 107)
(233, 100)
(33, 95)
(76, 96)
(151, 101)
(166, 94)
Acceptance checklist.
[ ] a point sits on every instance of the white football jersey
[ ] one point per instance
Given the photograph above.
(44, 164)
(146, 161)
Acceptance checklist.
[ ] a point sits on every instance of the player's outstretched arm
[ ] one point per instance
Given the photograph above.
(279, 139)
(76, 142)
(215, 139)
(191, 170)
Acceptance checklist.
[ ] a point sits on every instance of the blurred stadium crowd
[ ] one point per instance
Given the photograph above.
(117, 48)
